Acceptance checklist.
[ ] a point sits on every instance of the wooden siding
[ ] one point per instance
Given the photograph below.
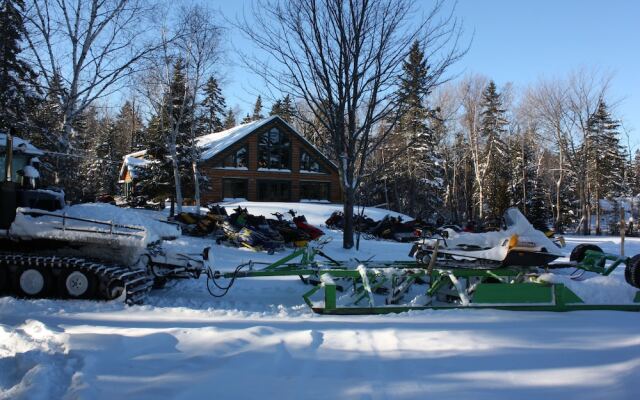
(216, 175)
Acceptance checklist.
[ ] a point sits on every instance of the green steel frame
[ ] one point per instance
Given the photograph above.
(512, 288)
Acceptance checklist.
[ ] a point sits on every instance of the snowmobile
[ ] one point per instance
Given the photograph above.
(520, 244)
(335, 220)
(361, 223)
(246, 230)
(199, 225)
(290, 232)
(45, 252)
(392, 228)
(256, 241)
(301, 223)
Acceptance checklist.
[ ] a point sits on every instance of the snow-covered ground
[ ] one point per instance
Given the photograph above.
(261, 341)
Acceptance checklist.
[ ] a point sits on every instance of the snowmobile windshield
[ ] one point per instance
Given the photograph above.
(514, 218)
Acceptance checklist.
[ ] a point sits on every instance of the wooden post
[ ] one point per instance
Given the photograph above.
(622, 229)
(434, 256)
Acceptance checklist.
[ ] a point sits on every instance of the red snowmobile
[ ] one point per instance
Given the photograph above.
(301, 223)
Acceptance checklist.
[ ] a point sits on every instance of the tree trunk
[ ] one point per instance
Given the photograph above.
(558, 189)
(349, 202)
(386, 195)
(480, 200)
(133, 125)
(396, 196)
(597, 211)
(196, 183)
(583, 204)
(176, 172)
(68, 131)
(586, 211)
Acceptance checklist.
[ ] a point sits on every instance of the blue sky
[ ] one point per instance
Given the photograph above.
(521, 41)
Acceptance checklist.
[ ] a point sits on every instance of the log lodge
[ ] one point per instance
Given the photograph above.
(264, 160)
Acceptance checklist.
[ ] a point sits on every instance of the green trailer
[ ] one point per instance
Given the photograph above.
(368, 287)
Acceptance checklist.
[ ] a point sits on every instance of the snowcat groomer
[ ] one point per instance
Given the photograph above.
(47, 252)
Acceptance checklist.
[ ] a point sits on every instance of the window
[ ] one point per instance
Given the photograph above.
(274, 150)
(309, 163)
(19, 161)
(234, 188)
(272, 190)
(237, 159)
(314, 191)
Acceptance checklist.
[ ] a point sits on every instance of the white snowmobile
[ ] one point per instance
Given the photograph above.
(520, 244)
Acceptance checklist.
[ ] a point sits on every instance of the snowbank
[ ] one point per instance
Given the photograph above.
(34, 362)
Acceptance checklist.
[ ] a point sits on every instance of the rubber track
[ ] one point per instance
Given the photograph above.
(137, 282)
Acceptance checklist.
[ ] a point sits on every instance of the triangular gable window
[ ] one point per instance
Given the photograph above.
(309, 163)
(237, 159)
(274, 150)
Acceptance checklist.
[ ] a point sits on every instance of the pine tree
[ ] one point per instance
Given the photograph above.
(635, 174)
(103, 163)
(213, 108)
(416, 178)
(74, 170)
(458, 180)
(16, 76)
(230, 119)
(276, 108)
(129, 129)
(247, 118)
(257, 110)
(429, 165)
(48, 117)
(284, 109)
(155, 179)
(614, 218)
(524, 170)
(628, 176)
(496, 153)
(537, 210)
(605, 158)
(182, 117)
(174, 116)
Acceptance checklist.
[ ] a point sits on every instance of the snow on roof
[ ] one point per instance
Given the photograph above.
(136, 154)
(20, 145)
(217, 142)
(131, 162)
(210, 145)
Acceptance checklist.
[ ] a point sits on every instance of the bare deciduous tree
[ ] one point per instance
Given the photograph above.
(343, 58)
(564, 107)
(93, 45)
(549, 99)
(585, 89)
(200, 45)
(471, 96)
(194, 41)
